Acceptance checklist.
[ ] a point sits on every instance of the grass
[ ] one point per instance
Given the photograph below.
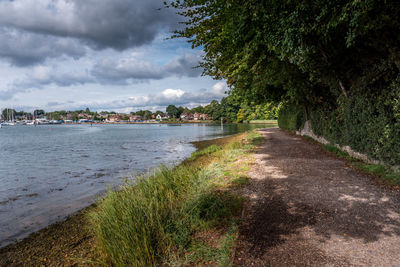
(333, 149)
(156, 219)
(380, 171)
(206, 151)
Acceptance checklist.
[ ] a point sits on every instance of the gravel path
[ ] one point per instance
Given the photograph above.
(308, 208)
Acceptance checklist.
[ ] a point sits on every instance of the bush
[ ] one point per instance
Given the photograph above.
(291, 117)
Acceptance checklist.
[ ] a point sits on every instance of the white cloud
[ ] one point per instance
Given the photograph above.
(172, 93)
(219, 88)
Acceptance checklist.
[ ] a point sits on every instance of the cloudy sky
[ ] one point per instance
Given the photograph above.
(101, 54)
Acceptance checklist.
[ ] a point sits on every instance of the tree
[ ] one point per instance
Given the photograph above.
(173, 111)
(147, 115)
(38, 112)
(334, 63)
(199, 109)
(302, 51)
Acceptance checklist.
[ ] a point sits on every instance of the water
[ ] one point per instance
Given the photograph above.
(49, 172)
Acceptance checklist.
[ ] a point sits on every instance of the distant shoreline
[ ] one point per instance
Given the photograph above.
(160, 122)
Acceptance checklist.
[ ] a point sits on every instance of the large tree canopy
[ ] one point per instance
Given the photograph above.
(333, 62)
(302, 50)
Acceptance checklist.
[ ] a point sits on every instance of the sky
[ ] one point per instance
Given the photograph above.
(101, 54)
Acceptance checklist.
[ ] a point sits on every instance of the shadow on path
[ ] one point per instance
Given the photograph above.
(308, 208)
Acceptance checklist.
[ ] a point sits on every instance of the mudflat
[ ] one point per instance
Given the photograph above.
(308, 208)
(67, 243)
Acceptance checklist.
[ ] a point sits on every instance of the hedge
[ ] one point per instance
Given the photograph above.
(367, 121)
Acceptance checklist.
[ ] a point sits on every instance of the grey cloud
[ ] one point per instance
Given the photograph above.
(22, 48)
(187, 65)
(126, 69)
(42, 76)
(48, 78)
(10, 93)
(117, 24)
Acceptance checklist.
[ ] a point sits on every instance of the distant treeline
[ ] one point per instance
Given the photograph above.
(230, 109)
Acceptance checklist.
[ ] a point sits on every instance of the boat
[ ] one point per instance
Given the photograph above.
(9, 123)
(10, 120)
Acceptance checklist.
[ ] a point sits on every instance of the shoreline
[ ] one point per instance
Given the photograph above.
(272, 122)
(68, 241)
(61, 240)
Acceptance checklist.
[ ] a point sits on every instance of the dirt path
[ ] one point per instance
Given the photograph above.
(307, 208)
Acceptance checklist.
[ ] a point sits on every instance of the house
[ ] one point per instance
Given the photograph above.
(84, 116)
(102, 115)
(161, 117)
(70, 116)
(204, 117)
(196, 116)
(135, 117)
(113, 118)
(187, 116)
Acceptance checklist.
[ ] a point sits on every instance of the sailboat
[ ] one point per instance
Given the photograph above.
(8, 122)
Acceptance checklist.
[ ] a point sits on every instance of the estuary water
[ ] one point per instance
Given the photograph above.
(51, 171)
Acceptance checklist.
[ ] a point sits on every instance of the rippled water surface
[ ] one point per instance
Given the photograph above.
(48, 172)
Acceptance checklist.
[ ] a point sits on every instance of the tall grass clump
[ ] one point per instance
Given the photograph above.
(139, 224)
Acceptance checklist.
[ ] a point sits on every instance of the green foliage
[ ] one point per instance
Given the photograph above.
(337, 60)
(367, 121)
(291, 117)
(173, 111)
(265, 111)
